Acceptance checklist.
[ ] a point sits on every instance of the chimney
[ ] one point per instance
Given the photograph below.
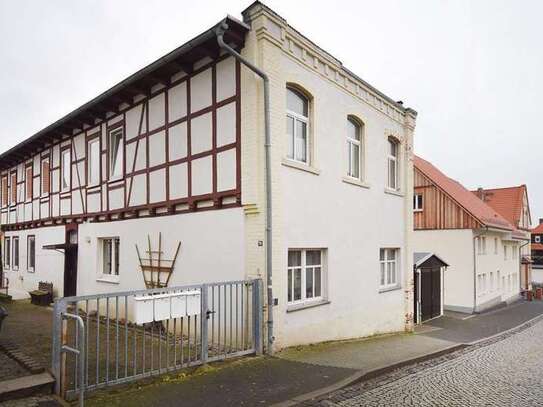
(481, 193)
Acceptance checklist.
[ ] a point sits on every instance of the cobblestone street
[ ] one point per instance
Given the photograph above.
(504, 371)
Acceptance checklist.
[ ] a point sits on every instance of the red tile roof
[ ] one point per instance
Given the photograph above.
(472, 204)
(506, 201)
(538, 229)
(537, 246)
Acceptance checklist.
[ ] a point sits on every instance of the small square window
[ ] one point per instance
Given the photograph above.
(417, 202)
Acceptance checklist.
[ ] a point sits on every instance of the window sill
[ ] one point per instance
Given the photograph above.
(306, 305)
(356, 182)
(385, 290)
(109, 280)
(394, 192)
(300, 166)
(417, 210)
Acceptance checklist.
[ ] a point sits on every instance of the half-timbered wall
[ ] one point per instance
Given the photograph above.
(180, 149)
(439, 210)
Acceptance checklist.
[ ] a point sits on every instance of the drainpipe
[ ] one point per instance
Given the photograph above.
(267, 146)
(475, 269)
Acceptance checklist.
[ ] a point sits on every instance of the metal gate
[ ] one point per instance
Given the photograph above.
(97, 342)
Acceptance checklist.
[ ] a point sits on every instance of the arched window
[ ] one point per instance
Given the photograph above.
(393, 163)
(354, 148)
(297, 125)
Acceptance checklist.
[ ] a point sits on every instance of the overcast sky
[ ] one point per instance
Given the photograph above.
(472, 69)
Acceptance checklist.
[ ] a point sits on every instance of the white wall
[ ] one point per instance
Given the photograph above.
(318, 209)
(212, 249)
(49, 263)
(493, 261)
(455, 247)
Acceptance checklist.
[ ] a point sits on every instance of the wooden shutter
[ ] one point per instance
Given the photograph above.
(29, 183)
(45, 182)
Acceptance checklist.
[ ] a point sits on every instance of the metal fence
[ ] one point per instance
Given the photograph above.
(98, 342)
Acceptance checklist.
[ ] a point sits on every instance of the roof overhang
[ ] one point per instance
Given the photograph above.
(419, 258)
(140, 83)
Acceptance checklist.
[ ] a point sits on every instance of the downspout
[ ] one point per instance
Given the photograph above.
(267, 146)
(475, 269)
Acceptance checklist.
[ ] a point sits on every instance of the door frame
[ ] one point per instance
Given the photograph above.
(71, 249)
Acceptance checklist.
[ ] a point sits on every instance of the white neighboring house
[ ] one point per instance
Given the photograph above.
(178, 148)
(480, 246)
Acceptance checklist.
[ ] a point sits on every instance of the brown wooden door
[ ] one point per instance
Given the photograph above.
(430, 292)
(70, 261)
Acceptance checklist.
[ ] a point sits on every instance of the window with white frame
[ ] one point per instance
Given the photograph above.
(498, 287)
(514, 252)
(15, 259)
(297, 126)
(66, 170)
(389, 272)
(30, 253)
(537, 239)
(418, 202)
(7, 252)
(392, 163)
(495, 245)
(354, 148)
(305, 275)
(505, 252)
(93, 162)
(483, 245)
(110, 252)
(116, 153)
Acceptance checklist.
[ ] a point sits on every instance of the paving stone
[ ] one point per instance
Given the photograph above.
(503, 371)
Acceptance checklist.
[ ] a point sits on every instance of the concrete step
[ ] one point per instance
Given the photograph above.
(26, 386)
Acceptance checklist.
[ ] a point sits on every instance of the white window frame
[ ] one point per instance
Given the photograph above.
(418, 205)
(385, 283)
(483, 239)
(303, 268)
(45, 163)
(112, 161)
(351, 144)
(495, 245)
(491, 281)
(7, 252)
(505, 256)
(113, 275)
(537, 239)
(303, 119)
(91, 164)
(66, 170)
(16, 254)
(29, 268)
(395, 159)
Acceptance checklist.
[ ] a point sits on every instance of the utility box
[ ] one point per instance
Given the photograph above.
(194, 301)
(178, 305)
(143, 309)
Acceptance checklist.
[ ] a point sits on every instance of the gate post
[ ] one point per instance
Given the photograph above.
(203, 322)
(58, 308)
(257, 315)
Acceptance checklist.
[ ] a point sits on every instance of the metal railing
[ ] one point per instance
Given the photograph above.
(117, 349)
